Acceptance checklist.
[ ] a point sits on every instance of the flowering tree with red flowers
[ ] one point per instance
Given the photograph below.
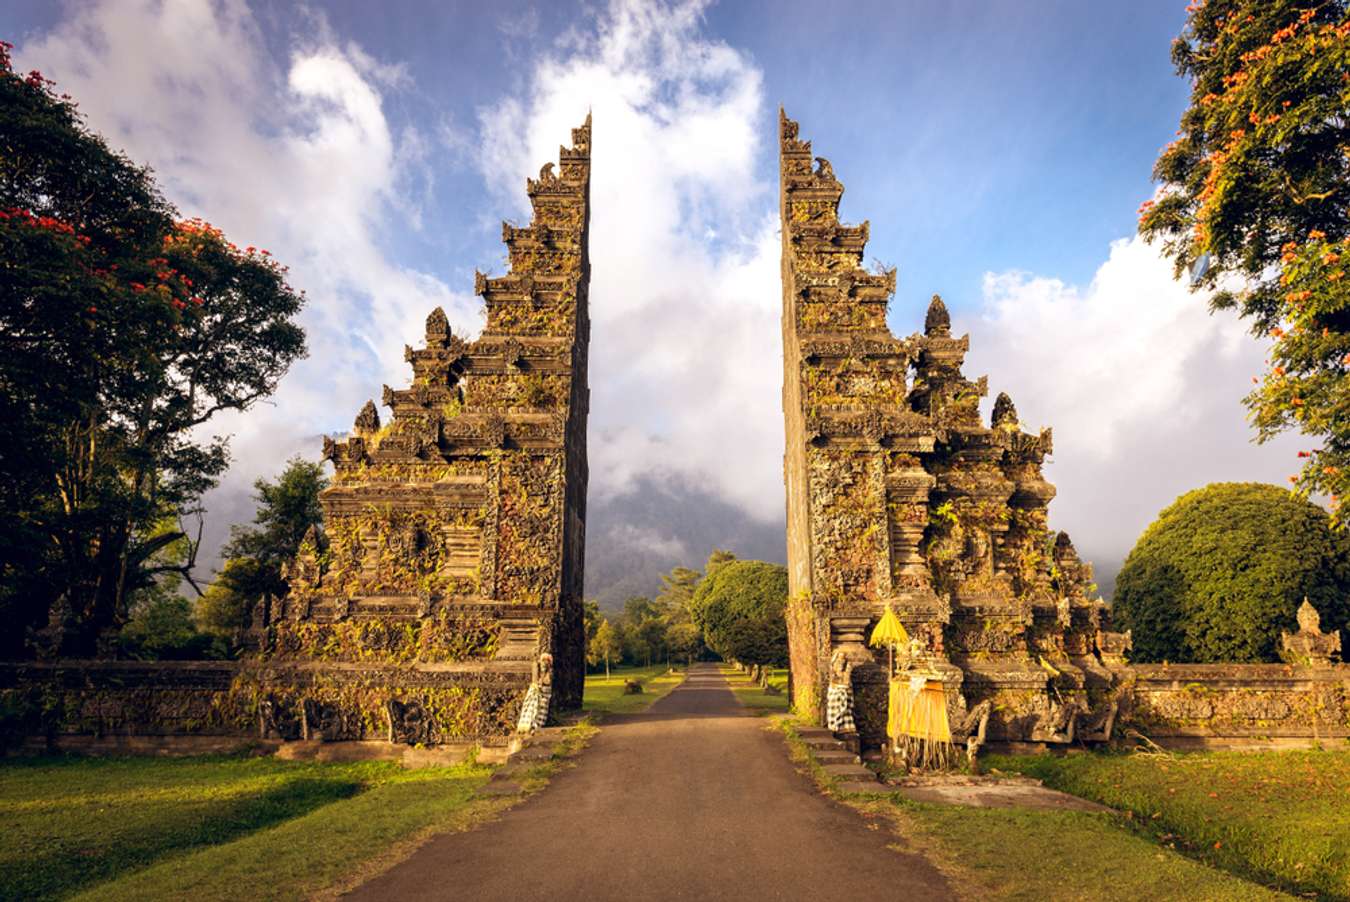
(122, 331)
(1255, 206)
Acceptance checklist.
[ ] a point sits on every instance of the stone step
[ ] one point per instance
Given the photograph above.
(863, 787)
(814, 733)
(835, 756)
(823, 743)
(850, 772)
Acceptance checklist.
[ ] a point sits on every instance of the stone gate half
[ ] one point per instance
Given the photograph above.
(898, 494)
(454, 534)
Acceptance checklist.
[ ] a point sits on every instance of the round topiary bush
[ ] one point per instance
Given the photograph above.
(1223, 570)
(739, 607)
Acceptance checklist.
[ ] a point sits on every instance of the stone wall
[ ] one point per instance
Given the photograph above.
(1200, 705)
(198, 706)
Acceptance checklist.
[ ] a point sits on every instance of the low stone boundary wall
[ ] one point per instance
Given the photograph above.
(178, 707)
(1267, 705)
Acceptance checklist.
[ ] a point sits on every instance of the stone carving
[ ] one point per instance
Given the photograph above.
(1310, 646)
(467, 507)
(368, 420)
(900, 493)
(534, 710)
(839, 700)
(409, 723)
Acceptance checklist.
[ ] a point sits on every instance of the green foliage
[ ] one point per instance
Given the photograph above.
(125, 333)
(1276, 817)
(1223, 570)
(1256, 187)
(605, 647)
(254, 556)
(162, 628)
(740, 609)
(286, 510)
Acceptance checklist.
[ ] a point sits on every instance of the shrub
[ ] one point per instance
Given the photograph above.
(1223, 570)
(739, 606)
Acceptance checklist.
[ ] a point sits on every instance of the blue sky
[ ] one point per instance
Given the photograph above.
(1000, 151)
(975, 136)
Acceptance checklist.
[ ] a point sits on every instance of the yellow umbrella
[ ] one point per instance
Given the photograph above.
(890, 631)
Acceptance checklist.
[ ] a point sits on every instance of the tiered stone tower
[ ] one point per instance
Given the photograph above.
(452, 552)
(897, 493)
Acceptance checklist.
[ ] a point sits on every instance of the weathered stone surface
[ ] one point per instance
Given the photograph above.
(454, 534)
(899, 494)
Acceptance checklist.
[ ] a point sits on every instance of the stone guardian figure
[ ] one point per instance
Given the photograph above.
(534, 712)
(839, 698)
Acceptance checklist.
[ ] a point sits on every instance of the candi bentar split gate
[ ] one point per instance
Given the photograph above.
(441, 605)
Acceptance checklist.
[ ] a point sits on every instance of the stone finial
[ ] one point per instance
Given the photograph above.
(1005, 414)
(1310, 647)
(438, 326)
(1309, 621)
(368, 420)
(1064, 550)
(824, 170)
(938, 322)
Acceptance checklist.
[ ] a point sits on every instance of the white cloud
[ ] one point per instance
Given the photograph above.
(296, 157)
(652, 541)
(685, 347)
(1142, 385)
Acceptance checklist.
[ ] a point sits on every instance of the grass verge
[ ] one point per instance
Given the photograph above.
(1280, 818)
(1023, 854)
(605, 695)
(211, 828)
(753, 696)
(72, 822)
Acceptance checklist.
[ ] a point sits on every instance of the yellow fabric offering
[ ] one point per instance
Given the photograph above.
(921, 714)
(889, 629)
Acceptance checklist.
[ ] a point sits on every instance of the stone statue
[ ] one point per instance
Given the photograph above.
(1310, 646)
(839, 698)
(534, 712)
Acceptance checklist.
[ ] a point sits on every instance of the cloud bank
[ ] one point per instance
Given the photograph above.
(296, 156)
(1142, 385)
(299, 153)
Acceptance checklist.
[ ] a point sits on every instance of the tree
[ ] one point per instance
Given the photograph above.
(287, 510)
(606, 646)
(160, 626)
(1255, 205)
(123, 333)
(740, 609)
(717, 559)
(1223, 570)
(685, 640)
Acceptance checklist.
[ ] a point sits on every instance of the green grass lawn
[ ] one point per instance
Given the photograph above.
(605, 694)
(211, 827)
(752, 696)
(1023, 854)
(1282, 818)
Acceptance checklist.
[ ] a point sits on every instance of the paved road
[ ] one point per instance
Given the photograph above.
(692, 799)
